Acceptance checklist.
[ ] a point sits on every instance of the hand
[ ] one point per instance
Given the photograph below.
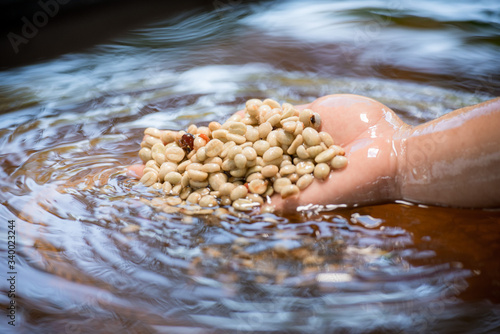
(371, 135)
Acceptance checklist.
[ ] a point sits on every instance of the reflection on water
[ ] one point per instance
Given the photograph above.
(99, 253)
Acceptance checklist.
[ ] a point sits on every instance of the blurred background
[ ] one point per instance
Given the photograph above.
(96, 252)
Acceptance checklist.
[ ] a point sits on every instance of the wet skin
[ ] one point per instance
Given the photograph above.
(389, 160)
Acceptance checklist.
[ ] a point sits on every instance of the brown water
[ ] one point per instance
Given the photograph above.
(96, 252)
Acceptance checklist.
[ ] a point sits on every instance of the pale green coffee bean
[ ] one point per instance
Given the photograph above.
(326, 138)
(198, 184)
(149, 169)
(227, 148)
(167, 136)
(276, 161)
(225, 200)
(198, 142)
(269, 191)
(242, 204)
(212, 126)
(228, 165)
(263, 111)
(173, 178)
(208, 201)
(294, 177)
(192, 129)
(165, 168)
(321, 171)
(338, 150)
(295, 144)
(252, 134)
(252, 106)
(311, 137)
(240, 161)
(204, 130)
(254, 176)
(195, 165)
(159, 158)
(285, 163)
(305, 167)
(236, 128)
(181, 168)
(272, 138)
(274, 119)
(185, 180)
(216, 180)
(150, 141)
(220, 134)
(226, 188)
(302, 152)
(214, 147)
(203, 191)
(167, 187)
(257, 186)
(214, 160)
(201, 153)
(261, 146)
(185, 192)
(304, 181)
(272, 103)
(153, 164)
(193, 198)
(250, 120)
(288, 111)
(158, 148)
(339, 162)
(280, 183)
(325, 156)
(238, 172)
(254, 169)
(145, 154)
(270, 170)
(234, 151)
(250, 153)
(299, 129)
(234, 118)
(255, 198)
(236, 138)
(289, 191)
(174, 200)
(191, 155)
(153, 132)
(288, 169)
(272, 154)
(251, 163)
(305, 117)
(175, 154)
(264, 129)
(194, 159)
(313, 151)
(149, 178)
(284, 138)
(238, 192)
(289, 126)
(197, 175)
(316, 121)
(211, 168)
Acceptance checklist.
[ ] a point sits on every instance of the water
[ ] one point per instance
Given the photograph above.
(97, 253)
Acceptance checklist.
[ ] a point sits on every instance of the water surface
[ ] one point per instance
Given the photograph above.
(97, 252)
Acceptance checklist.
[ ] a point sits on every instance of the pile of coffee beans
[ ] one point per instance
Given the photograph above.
(270, 149)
